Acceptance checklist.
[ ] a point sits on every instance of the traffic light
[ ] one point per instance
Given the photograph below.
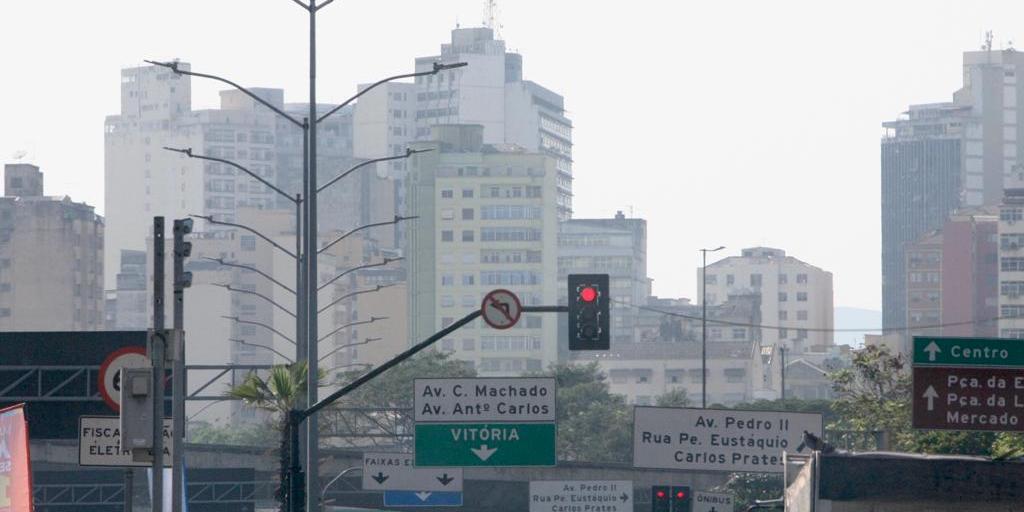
(682, 500)
(588, 312)
(660, 501)
(182, 250)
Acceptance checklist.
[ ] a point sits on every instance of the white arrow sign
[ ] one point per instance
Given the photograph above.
(483, 452)
(397, 472)
(931, 395)
(423, 495)
(932, 349)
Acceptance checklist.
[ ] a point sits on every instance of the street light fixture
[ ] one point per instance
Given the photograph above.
(704, 325)
(272, 349)
(263, 325)
(353, 324)
(347, 345)
(360, 267)
(229, 288)
(378, 288)
(396, 220)
(251, 269)
(209, 218)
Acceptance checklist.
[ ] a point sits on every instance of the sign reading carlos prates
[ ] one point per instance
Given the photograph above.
(718, 439)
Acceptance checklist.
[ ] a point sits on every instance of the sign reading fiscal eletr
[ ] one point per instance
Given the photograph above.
(485, 422)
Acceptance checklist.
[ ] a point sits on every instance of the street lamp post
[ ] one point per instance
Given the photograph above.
(704, 325)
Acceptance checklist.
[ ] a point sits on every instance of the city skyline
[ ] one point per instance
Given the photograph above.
(791, 126)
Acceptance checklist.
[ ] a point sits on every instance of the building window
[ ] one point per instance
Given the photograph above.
(783, 297)
(755, 280)
(5, 312)
(801, 315)
(467, 214)
(801, 334)
(783, 334)
(447, 214)
(783, 278)
(711, 279)
(447, 280)
(801, 296)
(447, 301)
(467, 235)
(739, 334)
(247, 242)
(783, 314)
(1011, 264)
(730, 279)
(447, 194)
(468, 279)
(467, 193)
(448, 345)
(469, 301)
(801, 279)
(447, 235)
(468, 344)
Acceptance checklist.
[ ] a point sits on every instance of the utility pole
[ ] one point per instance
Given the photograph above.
(182, 280)
(312, 280)
(156, 357)
(704, 326)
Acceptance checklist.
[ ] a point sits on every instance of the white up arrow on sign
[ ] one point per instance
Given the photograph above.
(932, 349)
(931, 395)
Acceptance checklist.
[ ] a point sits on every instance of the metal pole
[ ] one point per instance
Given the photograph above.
(129, 490)
(312, 434)
(178, 373)
(782, 354)
(704, 330)
(156, 358)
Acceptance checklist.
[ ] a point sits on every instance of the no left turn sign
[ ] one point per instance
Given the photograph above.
(110, 373)
(501, 309)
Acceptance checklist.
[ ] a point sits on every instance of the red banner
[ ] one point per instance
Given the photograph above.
(15, 471)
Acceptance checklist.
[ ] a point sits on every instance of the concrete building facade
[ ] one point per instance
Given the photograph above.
(51, 258)
(795, 296)
(487, 219)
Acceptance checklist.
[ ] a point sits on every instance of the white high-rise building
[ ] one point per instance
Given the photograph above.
(795, 296)
(491, 92)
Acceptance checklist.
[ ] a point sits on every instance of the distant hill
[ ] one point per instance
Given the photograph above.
(856, 318)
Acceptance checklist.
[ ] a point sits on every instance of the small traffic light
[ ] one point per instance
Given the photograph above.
(588, 312)
(182, 250)
(682, 500)
(659, 499)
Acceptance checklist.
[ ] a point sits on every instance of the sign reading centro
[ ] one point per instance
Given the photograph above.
(718, 440)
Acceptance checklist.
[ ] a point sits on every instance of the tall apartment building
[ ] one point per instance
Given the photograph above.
(128, 305)
(51, 258)
(488, 219)
(952, 278)
(941, 157)
(491, 92)
(1011, 259)
(795, 295)
(617, 247)
(142, 179)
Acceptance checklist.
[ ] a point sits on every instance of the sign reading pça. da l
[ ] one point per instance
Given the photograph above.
(397, 471)
(99, 443)
(485, 422)
(581, 496)
(712, 502)
(718, 439)
(952, 398)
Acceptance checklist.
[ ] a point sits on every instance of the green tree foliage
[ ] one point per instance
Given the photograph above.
(381, 410)
(593, 424)
(251, 435)
(674, 398)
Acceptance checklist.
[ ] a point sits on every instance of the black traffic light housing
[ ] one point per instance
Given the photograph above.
(182, 250)
(660, 501)
(682, 499)
(588, 312)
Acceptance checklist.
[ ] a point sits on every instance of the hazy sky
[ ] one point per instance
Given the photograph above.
(721, 123)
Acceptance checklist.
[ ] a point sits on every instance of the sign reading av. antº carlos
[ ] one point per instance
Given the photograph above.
(485, 422)
(718, 439)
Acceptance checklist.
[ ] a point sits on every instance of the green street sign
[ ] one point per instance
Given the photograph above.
(968, 352)
(485, 444)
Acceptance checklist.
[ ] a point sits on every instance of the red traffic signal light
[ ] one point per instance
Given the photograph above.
(681, 501)
(660, 495)
(680, 495)
(588, 294)
(659, 499)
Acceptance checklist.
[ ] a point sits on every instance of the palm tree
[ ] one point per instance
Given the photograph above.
(276, 394)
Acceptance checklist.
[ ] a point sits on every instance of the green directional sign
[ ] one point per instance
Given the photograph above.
(485, 444)
(968, 352)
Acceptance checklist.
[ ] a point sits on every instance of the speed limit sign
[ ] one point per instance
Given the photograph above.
(110, 373)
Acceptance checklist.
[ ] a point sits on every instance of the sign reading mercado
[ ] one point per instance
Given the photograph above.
(718, 439)
(485, 422)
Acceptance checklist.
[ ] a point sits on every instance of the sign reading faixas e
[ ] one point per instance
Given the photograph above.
(718, 439)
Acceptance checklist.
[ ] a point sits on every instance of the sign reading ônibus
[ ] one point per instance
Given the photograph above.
(718, 439)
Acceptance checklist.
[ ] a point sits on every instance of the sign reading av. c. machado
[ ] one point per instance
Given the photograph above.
(581, 496)
(718, 439)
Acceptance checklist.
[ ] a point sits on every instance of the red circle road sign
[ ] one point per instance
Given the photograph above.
(501, 309)
(110, 370)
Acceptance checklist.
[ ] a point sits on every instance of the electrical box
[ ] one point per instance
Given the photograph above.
(137, 410)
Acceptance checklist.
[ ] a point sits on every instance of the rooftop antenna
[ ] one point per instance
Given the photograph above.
(988, 41)
(19, 154)
(491, 17)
